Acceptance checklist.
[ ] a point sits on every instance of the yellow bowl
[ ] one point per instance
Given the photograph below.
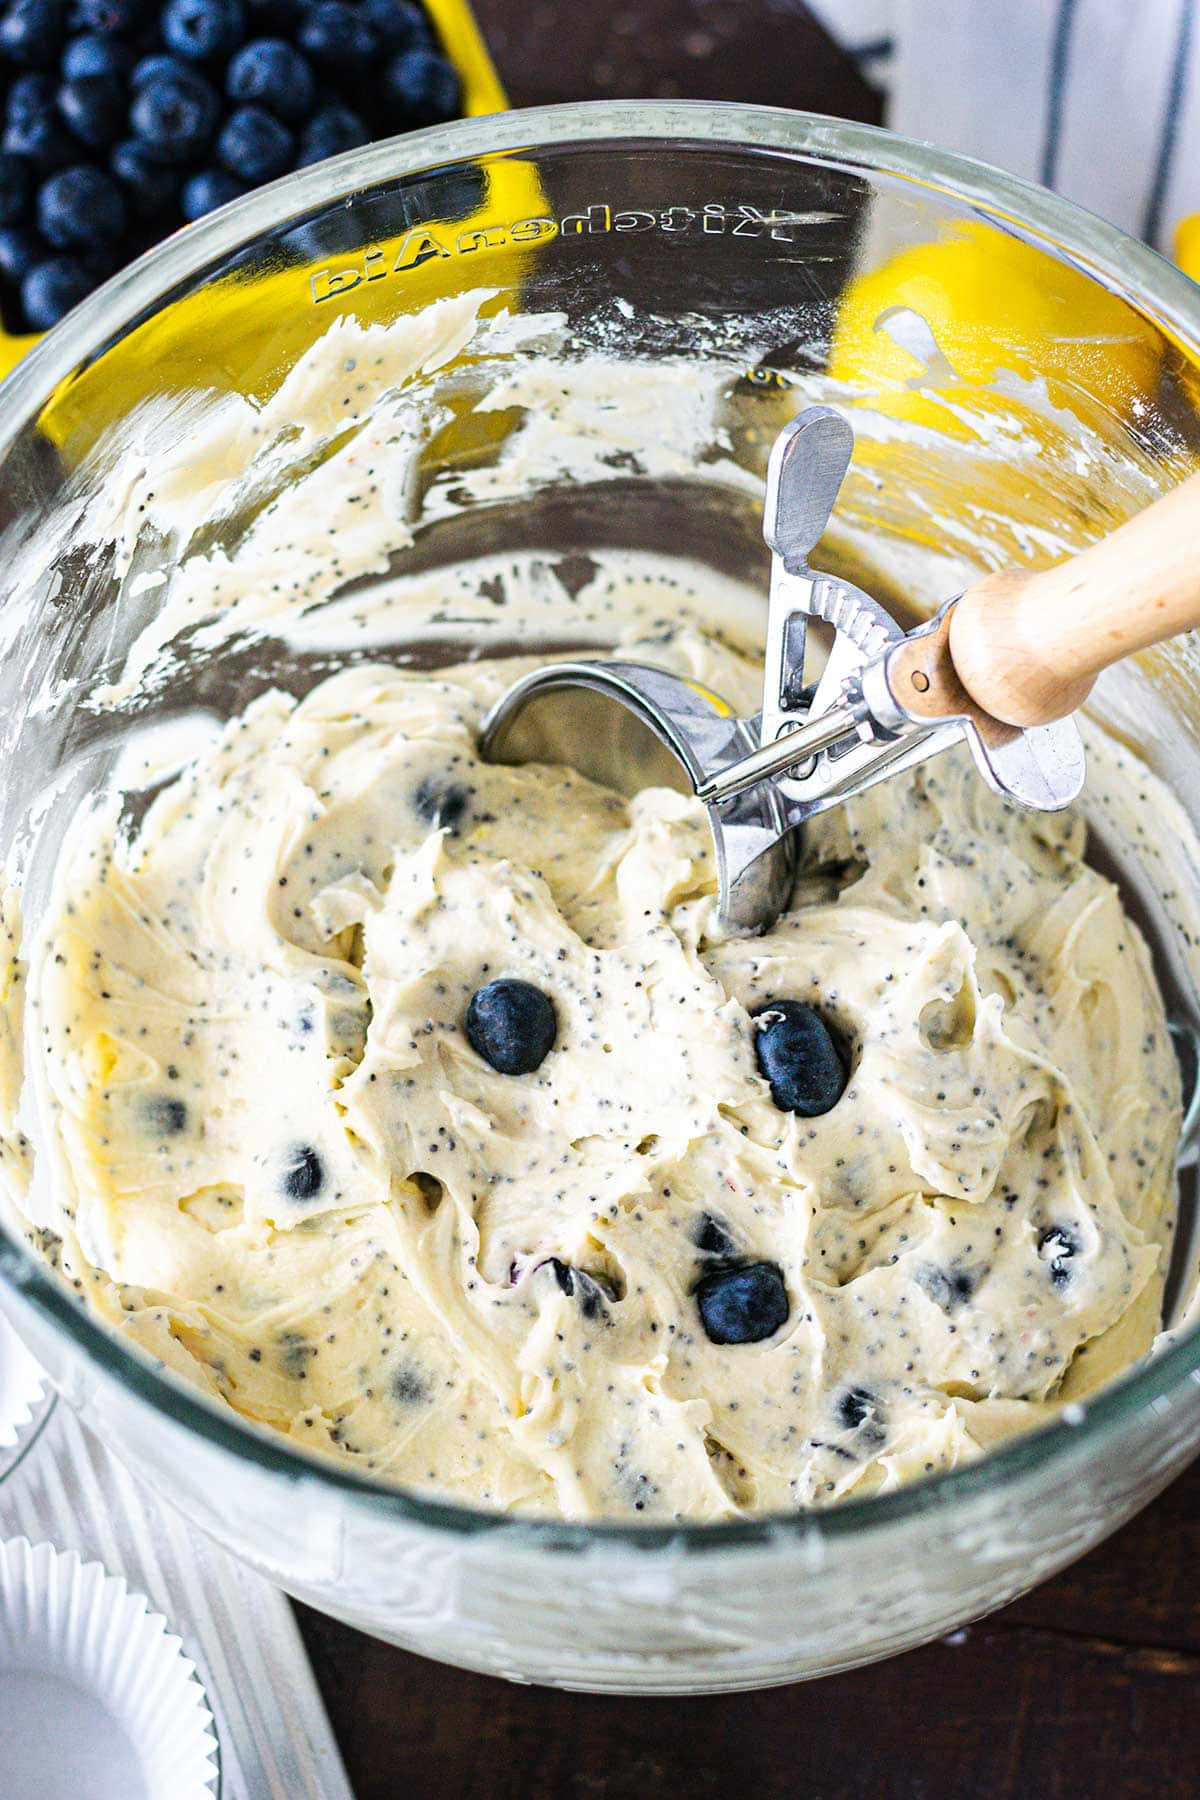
(992, 307)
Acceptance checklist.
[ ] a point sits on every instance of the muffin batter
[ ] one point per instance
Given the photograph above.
(285, 1170)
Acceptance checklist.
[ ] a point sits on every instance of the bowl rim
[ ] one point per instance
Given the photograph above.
(1152, 286)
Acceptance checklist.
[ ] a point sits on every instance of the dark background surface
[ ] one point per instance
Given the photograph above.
(1087, 1689)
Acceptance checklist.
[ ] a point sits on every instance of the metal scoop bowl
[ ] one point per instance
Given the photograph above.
(885, 701)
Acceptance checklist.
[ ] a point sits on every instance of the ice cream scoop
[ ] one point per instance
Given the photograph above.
(1001, 666)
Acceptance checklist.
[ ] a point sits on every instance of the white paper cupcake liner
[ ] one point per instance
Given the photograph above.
(25, 1397)
(96, 1696)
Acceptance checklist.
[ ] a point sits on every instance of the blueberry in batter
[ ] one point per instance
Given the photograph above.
(512, 1025)
(800, 1057)
(742, 1305)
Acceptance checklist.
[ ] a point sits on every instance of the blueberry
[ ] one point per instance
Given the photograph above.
(92, 54)
(31, 32)
(165, 1115)
(32, 127)
(512, 1025)
(149, 186)
(199, 29)
(711, 1237)
(175, 115)
(329, 132)
(110, 18)
(399, 25)
(304, 1173)
(576, 1282)
(275, 75)
(855, 1405)
(949, 1288)
(591, 1295)
(201, 194)
(30, 98)
(148, 68)
(1057, 1245)
(442, 804)
(564, 1274)
(83, 205)
(254, 146)
(16, 188)
(20, 249)
(338, 35)
(858, 1409)
(744, 1305)
(51, 289)
(93, 108)
(800, 1057)
(48, 144)
(423, 85)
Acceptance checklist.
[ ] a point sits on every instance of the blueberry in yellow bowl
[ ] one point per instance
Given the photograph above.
(125, 119)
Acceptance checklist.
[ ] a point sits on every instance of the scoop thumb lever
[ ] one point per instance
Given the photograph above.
(1028, 646)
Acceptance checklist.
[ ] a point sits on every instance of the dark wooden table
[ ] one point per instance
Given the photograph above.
(1089, 1688)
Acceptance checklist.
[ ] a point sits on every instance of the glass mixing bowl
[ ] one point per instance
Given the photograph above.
(1020, 377)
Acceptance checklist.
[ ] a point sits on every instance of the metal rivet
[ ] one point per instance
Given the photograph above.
(920, 681)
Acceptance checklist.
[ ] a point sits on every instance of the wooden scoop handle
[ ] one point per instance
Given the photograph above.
(1027, 647)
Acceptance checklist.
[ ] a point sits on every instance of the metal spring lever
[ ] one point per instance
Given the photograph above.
(884, 702)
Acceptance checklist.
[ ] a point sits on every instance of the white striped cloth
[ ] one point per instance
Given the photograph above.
(1099, 99)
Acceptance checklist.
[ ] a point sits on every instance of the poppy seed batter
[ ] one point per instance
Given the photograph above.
(623, 1280)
